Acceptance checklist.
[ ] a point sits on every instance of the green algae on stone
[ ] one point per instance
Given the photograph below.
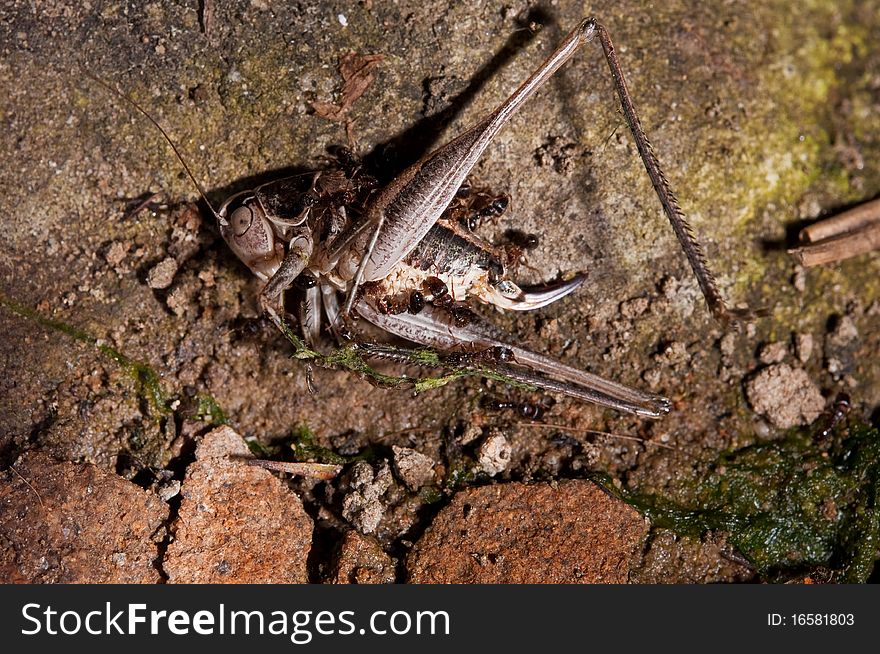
(145, 378)
(208, 410)
(304, 448)
(147, 381)
(805, 502)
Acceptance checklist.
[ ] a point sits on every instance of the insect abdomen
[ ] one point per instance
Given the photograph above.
(444, 252)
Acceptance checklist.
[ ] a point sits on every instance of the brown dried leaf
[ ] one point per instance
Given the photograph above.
(357, 73)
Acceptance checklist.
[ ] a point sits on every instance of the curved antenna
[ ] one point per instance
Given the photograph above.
(179, 156)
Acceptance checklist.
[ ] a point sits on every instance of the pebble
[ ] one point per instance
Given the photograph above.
(162, 274)
(414, 468)
(786, 396)
(363, 506)
(803, 346)
(773, 352)
(494, 455)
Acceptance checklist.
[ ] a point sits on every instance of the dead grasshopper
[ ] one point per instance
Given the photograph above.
(405, 264)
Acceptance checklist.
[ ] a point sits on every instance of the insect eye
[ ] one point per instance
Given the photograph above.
(241, 220)
(306, 281)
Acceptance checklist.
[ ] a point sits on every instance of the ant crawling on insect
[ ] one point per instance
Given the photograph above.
(405, 256)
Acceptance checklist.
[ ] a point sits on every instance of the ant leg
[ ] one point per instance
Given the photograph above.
(438, 329)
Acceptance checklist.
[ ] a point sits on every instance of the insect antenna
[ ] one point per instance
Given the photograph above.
(579, 430)
(131, 102)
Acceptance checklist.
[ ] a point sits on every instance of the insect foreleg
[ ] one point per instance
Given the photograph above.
(295, 261)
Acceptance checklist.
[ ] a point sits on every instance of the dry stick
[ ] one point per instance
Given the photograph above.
(315, 470)
(839, 247)
(848, 221)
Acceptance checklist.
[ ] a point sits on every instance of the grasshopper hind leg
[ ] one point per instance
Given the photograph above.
(437, 329)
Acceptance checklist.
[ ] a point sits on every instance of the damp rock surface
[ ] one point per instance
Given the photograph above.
(763, 119)
(237, 523)
(73, 523)
(569, 532)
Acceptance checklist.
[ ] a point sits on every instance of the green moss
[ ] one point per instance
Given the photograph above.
(145, 378)
(208, 410)
(305, 449)
(351, 358)
(781, 147)
(790, 506)
(258, 449)
(430, 383)
(431, 494)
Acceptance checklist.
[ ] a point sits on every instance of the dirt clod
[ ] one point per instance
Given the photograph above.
(494, 455)
(773, 352)
(116, 253)
(414, 468)
(728, 344)
(571, 532)
(237, 523)
(632, 309)
(162, 274)
(803, 346)
(363, 506)
(785, 395)
(361, 560)
(844, 332)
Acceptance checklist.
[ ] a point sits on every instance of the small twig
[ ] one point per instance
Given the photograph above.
(838, 248)
(849, 221)
(323, 471)
(846, 235)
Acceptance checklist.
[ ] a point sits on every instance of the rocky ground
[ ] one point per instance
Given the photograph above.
(128, 325)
